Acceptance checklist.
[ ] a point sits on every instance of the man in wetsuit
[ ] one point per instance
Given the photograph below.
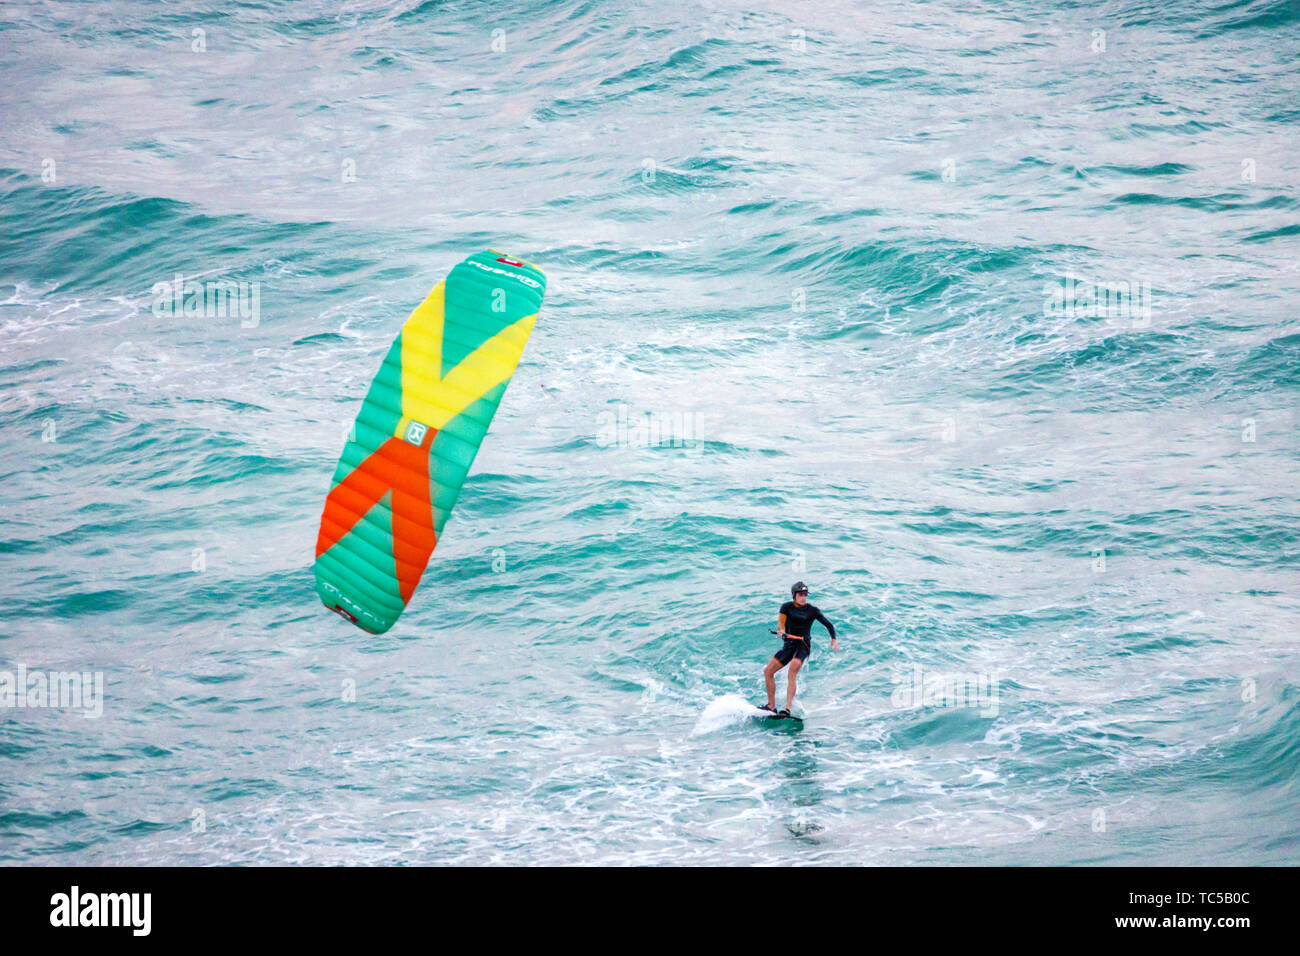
(793, 624)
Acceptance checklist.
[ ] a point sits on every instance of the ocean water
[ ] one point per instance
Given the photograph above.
(822, 305)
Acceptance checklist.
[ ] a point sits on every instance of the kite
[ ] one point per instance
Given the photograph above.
(419, 428)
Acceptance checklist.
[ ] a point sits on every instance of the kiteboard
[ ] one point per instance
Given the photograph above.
(764, 714)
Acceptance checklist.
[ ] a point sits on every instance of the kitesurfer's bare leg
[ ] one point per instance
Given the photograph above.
(789, 685)
(769, 680)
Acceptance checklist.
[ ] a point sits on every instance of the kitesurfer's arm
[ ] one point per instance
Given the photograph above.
(835, 644)
(780, 626)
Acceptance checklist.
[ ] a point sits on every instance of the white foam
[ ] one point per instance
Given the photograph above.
(726, 711)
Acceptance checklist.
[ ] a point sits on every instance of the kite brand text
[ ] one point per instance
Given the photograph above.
(526, 280)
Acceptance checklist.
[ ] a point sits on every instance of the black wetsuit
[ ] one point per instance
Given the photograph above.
(798, 622)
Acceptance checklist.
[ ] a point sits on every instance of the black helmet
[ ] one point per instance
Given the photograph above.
(798, 588)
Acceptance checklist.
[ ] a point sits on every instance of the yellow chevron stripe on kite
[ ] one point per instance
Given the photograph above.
(437, 400)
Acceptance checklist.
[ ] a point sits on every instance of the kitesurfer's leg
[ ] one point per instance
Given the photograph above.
(789, 685)
(769, 679)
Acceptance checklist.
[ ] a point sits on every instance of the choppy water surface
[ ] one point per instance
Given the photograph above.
(827, 247)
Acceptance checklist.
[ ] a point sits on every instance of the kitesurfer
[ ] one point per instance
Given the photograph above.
(793, 624)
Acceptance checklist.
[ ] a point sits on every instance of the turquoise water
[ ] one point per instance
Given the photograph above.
(817, 245)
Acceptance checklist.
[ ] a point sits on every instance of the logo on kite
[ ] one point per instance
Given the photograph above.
(415, 433)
